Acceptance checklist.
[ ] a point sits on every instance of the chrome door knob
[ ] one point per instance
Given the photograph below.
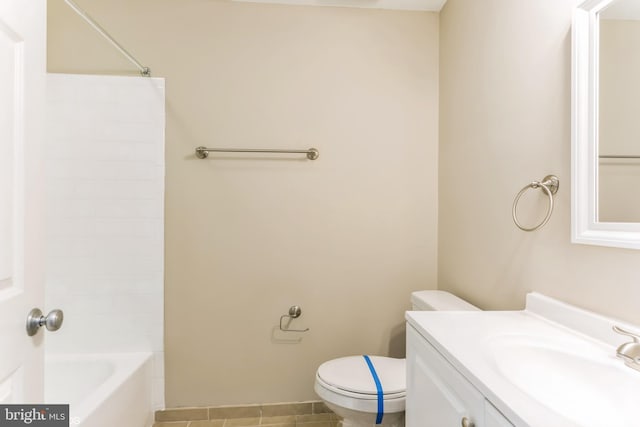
(35, 320)
(466, 422)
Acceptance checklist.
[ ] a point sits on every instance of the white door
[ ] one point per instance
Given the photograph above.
(22, 92)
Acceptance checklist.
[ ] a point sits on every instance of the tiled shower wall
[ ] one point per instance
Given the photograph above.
(105, 195)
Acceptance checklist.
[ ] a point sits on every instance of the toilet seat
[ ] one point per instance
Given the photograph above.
(348, 382)
(352, 375)
(359, 396)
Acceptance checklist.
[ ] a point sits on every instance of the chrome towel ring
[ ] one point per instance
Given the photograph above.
(549, 185)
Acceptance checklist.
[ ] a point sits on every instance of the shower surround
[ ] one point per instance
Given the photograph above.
(105, 214)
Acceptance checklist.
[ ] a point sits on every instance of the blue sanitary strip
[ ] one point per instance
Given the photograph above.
(374, 374)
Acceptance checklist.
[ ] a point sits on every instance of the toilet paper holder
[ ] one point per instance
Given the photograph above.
(294, 312)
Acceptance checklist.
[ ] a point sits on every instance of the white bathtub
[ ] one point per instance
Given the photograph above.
(103, 390)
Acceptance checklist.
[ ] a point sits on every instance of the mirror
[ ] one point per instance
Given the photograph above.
(618, 101)
(606, 123)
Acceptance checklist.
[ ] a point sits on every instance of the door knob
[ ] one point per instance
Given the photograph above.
(466, 422)
(35, 320)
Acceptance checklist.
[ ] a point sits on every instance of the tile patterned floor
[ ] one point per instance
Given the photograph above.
(309, 420)
(300, 414)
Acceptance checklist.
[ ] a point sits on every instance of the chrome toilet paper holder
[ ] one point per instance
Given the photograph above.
(294, 312)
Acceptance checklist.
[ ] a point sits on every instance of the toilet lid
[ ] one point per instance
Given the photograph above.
(352, 374)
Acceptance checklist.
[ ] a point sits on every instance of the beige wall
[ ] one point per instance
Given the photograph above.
(619, 126)
(505, 121)
(346, 237)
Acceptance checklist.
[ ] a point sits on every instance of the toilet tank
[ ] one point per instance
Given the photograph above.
(437, 301)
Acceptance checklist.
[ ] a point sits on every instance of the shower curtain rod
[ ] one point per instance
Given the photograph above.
(145, 71)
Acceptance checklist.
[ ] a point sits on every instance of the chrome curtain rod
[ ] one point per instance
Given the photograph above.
(145, 71)
(619, 157)
(203, 152)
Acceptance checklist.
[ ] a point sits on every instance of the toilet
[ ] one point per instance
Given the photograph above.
(370, 390)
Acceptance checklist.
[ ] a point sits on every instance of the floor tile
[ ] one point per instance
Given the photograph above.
(171, 424)
(314, 418)
(242, 422)
(211, 423)
(284, 419)
(316, 424)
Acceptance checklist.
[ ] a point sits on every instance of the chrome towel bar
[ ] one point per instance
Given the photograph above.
(619, 157)
(203, 152)
(549, 185)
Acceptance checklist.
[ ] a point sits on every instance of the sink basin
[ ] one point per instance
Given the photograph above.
(549, 365)
(578, 379)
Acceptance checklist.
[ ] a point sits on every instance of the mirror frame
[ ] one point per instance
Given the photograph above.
(585, 229)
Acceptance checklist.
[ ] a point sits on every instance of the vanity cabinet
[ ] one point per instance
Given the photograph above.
(438, 395)
(493, 417)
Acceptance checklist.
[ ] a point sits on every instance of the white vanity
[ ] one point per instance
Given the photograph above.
(550, 365)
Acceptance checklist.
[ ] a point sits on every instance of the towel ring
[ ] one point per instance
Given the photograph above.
(549, 185)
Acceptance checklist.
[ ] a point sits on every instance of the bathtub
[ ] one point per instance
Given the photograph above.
(103, 390)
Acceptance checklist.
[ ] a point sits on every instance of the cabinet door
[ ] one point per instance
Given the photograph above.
(493, 417)
(437, 394)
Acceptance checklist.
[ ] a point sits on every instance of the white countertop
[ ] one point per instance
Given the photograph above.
(485, 347)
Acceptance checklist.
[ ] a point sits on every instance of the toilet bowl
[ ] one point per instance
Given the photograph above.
(372, 392)
(347, 387)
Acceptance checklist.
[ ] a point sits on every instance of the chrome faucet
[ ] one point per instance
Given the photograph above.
(630, 351)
